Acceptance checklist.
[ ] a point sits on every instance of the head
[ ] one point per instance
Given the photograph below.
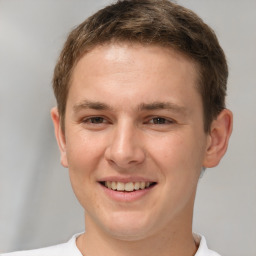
(140, 88)
(149, 22)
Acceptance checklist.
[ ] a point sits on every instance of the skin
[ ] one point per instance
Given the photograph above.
(133, 112)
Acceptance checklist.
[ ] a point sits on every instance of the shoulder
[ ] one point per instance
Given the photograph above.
(52, 250)
(65, 249)
(203, 249)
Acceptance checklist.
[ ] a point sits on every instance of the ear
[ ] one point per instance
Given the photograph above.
(221, 129)
(60, 136)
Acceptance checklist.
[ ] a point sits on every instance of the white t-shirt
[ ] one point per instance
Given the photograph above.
(70, 249)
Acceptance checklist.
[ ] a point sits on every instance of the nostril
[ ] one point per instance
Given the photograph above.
(125, 159)
(124, 149)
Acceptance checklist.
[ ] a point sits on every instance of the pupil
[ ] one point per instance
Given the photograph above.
(97, 120)
(159, 120)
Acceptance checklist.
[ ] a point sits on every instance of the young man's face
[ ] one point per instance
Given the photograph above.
(134, 118)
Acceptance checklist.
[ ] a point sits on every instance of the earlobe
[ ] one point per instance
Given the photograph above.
(221, 129)
(60, 136)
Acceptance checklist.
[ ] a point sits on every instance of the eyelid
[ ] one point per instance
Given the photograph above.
(149, 120)
(167, 120)
(87, 120)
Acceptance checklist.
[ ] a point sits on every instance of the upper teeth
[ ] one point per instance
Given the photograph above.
(129, 186)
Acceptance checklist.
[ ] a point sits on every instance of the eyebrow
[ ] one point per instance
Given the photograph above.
(86, 104)
(162, 105)
(96, 105)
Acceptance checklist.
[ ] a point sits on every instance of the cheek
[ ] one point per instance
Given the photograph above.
(179, 154)
(84, 152)
(180, 160)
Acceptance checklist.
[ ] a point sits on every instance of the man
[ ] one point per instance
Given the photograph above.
(140, 89)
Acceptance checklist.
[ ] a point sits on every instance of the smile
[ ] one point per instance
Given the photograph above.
(128, 186)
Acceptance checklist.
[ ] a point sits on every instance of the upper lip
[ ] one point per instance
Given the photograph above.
(127, 179)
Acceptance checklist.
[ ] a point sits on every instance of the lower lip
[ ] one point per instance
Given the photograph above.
(126, 196)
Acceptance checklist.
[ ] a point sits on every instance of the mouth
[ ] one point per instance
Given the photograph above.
(128, 186)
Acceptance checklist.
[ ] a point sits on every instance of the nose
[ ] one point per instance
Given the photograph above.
(125, 149)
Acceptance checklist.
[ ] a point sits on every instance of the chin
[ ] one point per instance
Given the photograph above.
(128, 234)
(129, 228)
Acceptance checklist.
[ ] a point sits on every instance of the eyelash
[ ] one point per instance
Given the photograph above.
(153, 120)
(161, 120)
(91, 120)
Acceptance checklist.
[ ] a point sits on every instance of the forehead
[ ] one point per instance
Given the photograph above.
(126, 70)
(133, 54)
(118, 51)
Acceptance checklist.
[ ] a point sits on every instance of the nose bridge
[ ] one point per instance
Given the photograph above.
(125, 147)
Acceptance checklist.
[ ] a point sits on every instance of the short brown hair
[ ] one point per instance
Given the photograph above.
(149, 22)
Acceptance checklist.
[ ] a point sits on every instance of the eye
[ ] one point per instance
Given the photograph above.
(97, 120)
(95, 123)
(160, 120)
(94, 120)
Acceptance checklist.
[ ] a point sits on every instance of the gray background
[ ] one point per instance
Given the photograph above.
(37, 206)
